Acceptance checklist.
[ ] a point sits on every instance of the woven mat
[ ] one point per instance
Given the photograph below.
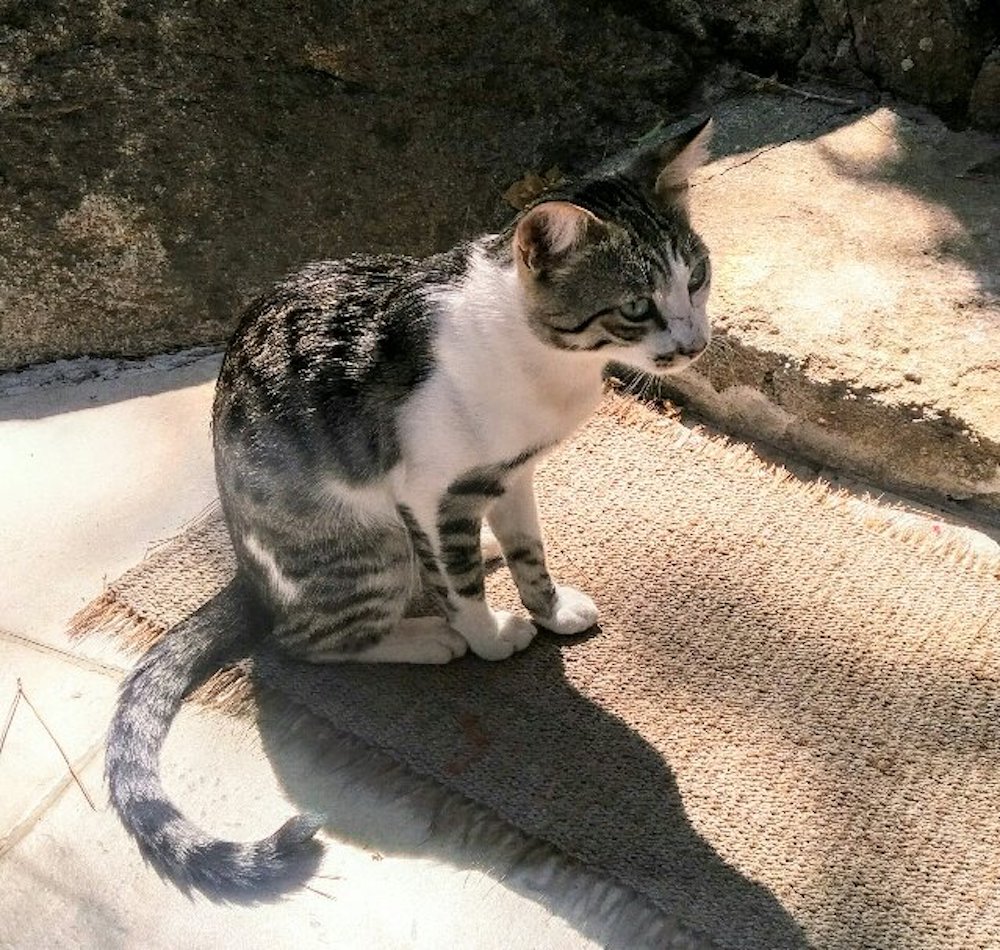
(786, 732)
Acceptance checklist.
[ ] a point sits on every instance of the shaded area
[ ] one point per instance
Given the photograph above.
(564, 771)
(66, 386)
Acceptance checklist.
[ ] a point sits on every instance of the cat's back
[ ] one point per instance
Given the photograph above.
(327, 355)
(323, 317)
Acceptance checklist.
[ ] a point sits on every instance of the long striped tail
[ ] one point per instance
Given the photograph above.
(149, 700)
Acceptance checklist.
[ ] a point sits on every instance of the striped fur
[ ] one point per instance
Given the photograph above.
(370, 414)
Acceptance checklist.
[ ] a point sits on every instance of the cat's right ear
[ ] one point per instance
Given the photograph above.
(549, 234)
(662, 166)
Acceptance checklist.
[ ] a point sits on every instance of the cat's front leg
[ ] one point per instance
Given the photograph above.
(514, 521)
(449, 548)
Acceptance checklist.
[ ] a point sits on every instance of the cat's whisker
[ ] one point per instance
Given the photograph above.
(638, 385)
(721, 352)
(648, 382)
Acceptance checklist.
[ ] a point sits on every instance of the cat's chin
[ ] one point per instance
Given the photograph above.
(660, 366)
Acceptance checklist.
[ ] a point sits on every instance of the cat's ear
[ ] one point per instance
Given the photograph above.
(548, 234)
(662, 166)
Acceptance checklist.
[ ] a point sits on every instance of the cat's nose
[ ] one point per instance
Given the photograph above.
(690, 339)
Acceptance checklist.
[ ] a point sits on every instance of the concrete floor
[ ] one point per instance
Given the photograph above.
(94, 471)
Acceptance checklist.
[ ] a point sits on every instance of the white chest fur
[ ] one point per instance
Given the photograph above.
(496, 390)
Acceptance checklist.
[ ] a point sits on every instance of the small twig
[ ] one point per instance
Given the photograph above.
(10, 717)
(316, 890)
(54, 112)
(763, 150)
(984, 625)
(771, 84)
(21, 693)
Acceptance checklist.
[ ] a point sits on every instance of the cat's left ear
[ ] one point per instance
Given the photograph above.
(662, 167)
(550, 233)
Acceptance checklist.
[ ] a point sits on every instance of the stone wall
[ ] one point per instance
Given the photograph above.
(163, 161)
(940, 53)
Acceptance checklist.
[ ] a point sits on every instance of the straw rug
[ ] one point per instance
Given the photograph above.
(786, 731)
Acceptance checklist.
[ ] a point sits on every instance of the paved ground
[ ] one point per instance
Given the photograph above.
(95, 471)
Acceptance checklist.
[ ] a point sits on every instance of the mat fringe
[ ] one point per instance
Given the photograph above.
(230, 690)
(113, 617)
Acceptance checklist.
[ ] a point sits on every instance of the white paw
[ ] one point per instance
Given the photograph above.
(573, 612)
(440, 645)
(490, 545)
(512, 633)
(418, 640)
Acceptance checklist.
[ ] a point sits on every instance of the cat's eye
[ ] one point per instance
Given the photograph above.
(699, 275)
(635, 309)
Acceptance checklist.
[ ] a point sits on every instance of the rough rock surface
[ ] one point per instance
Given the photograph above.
(162, 163)
(762, 33)
(984, 102)
(857, 290)
(927, 51)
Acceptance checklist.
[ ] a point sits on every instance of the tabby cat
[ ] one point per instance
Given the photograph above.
(369, 414)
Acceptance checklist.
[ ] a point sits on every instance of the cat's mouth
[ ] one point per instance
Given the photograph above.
(676, 360)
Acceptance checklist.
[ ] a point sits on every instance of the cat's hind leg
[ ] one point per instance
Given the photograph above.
(349, 605)
(376, 638)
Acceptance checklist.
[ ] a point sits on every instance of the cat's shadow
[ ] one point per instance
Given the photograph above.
(570, 773)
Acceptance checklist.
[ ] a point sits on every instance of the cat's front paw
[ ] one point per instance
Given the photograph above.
(510, 635)
(572, 612)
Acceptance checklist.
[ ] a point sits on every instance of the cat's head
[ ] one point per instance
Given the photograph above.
(611, 263)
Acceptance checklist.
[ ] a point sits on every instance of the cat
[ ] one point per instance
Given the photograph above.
(369, 414)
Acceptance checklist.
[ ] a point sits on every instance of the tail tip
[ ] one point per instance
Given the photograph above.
(300, 829)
